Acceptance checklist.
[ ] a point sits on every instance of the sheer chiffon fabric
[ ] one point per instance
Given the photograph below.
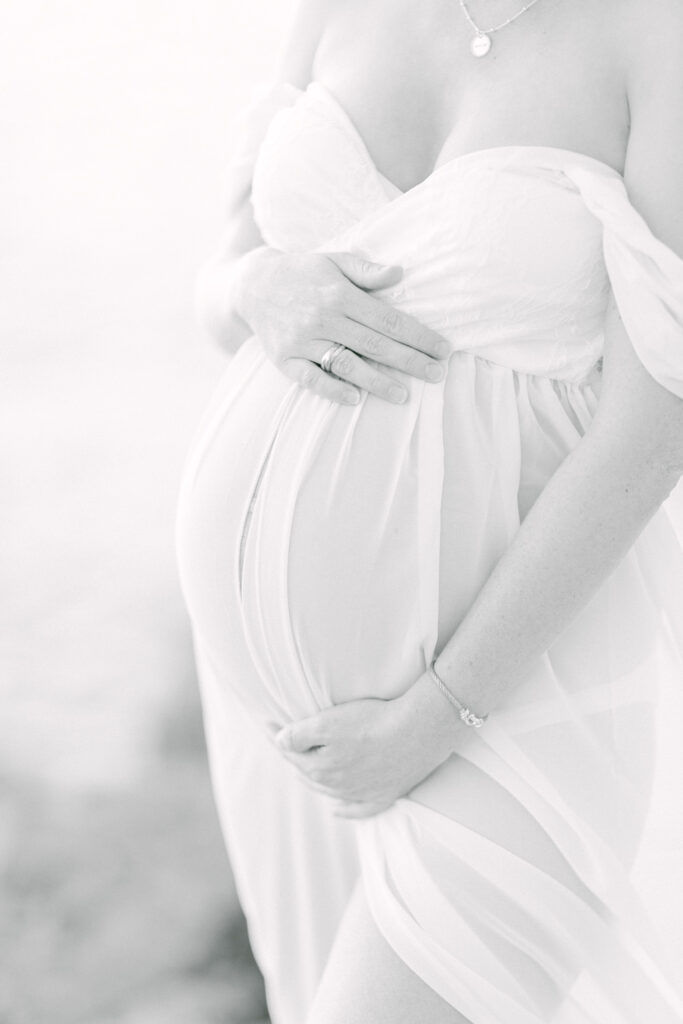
(327, 553)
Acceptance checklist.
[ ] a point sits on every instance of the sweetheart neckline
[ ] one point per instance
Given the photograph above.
(453, 162)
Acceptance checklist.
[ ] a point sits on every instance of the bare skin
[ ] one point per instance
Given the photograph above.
(418, 100)
(583, 76)
(365, 982)
(555, 77)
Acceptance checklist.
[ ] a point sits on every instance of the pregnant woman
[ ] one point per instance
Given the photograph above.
(425, 528)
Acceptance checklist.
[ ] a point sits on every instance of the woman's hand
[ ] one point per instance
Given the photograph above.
(300, 305)
(367, 753)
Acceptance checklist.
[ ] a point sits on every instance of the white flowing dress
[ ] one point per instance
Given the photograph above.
(326, 552)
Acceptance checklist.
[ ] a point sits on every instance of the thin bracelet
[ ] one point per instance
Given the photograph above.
(466, 714)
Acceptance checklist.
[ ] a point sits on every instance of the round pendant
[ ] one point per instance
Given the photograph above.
(480, 45)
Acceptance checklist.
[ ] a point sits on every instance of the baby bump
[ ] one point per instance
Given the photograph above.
(302, 527)
(341, 543)
(219, 476)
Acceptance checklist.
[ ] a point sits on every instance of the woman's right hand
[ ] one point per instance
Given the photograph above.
(299, 305)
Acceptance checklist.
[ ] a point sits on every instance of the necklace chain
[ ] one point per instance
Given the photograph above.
(496, 28)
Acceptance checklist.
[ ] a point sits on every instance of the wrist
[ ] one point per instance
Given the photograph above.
(465, 713)
(223, 286)
(433, 714)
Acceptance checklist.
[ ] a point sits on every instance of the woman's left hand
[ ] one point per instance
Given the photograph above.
(367, 753)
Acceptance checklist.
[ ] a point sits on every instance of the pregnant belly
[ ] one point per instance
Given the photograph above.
(341, 544)
(324, 549)
(312, 531)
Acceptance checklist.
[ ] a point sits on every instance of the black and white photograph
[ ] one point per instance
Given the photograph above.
(341, 600)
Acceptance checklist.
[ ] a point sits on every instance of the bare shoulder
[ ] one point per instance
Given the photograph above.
(306, 28)
(651, 36)
(652, 31)
(653, 43)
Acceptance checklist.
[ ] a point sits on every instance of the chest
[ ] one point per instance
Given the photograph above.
(407, 77)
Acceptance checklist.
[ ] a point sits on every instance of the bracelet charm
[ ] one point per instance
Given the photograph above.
(466, 714)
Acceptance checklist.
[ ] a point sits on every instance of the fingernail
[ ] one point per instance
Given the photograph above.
(397, 394)
(351, 397)
(434, 372)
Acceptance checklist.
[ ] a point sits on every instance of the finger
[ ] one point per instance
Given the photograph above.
(309, 768)
(324, 783)
(394, 323)
(310, 376)
(366, 273)
(302, 761)
(278, 739)
(382, 349)
(302, 736)
(352, 368)
(316, 787)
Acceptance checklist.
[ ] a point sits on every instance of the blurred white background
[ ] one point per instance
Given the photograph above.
(115, 126)
(117, 906)
(115, 130)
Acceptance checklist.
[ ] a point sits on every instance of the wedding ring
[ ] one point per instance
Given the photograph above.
(329, 357)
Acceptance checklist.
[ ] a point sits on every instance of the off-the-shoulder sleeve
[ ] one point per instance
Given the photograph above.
(247, 131)
(645, 274)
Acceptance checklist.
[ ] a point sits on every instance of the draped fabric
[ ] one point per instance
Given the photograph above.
(328, 552)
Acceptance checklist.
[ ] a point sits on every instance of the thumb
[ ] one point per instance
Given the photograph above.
(365, 273)
(298, 736)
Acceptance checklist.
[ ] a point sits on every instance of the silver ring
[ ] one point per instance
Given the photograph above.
(329, 357)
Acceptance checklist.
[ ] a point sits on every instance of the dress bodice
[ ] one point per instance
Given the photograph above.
(496, 256)
(503, 249)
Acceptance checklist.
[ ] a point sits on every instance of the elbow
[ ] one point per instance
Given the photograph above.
(642, 438)
(660, 475)
(212, 309)
(648, 464)
(671, 452)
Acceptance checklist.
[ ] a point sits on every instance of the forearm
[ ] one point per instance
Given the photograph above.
(220, 281)
(585, 520)
(219, 295)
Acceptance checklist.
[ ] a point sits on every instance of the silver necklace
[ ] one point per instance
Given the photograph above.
(481, 44)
